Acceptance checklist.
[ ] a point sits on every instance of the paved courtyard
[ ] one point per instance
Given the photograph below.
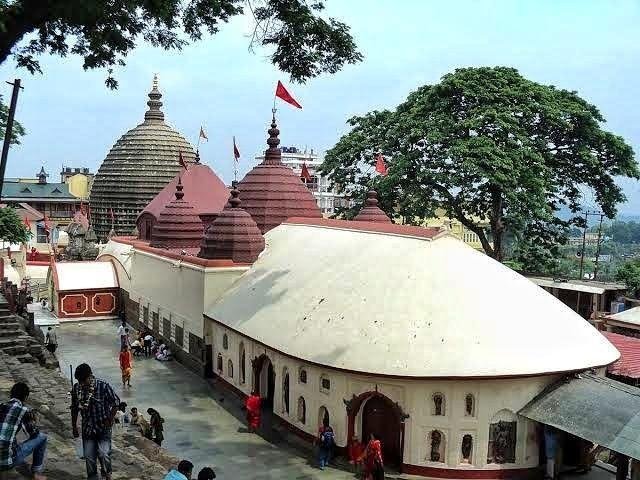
(202, 424)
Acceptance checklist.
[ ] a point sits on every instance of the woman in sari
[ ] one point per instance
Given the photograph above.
(253, 411)
(373, 465)
(126, 366)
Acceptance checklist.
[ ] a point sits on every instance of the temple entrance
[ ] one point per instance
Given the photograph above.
(264, 380)
(380, 418)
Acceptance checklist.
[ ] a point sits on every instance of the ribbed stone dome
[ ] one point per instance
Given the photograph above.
(371, 212)
(271, 192)
(136, 168)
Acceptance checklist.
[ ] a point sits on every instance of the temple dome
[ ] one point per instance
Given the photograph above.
(136, 169)
(271, 192)
(233, 235)
(371, 212)
(178, 225)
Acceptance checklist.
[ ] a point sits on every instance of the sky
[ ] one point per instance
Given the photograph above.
(589, 46)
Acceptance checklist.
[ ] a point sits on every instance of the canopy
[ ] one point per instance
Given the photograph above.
(595, 408)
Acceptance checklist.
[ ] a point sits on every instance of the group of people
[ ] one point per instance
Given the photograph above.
(153, 429)
(144, 344)
(184, 471)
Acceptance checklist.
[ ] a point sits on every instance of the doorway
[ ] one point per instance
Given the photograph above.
(265, 380)
(380, 418)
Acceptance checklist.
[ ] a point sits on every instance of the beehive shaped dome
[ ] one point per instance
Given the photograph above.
(136, 168)
(371, 212)
(271, 192)
(233, 235)
(178, 225)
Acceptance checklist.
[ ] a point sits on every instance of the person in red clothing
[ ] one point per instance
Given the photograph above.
(356, 453)
(253, 411)
(374, 466)
(126, 365)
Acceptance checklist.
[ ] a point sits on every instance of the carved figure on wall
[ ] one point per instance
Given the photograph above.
(468, 405)
(437, 403)
(502, 442)
(467, 447)
(436, 440)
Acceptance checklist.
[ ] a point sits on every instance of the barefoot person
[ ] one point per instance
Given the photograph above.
(126, 366)
(97, 403)
(157, 429)
(14, 416)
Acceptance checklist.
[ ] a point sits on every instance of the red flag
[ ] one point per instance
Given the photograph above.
(282, 94)
(236, 152)
(111, 214)
(181, 161)
(381, 167)
(304, 173)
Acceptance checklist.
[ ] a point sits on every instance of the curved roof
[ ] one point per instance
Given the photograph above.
(271, 192)
(84, 276)
(120, 252)
(389, 304)
(136, 169)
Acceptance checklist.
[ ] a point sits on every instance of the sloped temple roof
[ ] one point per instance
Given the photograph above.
(383, 302)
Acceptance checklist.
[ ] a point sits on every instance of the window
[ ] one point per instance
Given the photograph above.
(302, 376)
(469, 406)
(179, 336)
(145, 314)
(156, 322)
(229, 368)
(242, 361)
(225, 342)
(502, 438)
(438, 404)
(285, 391)
(195, 345)
(436, 452)
(166, 328)
(466, 448)
(219, 363)
(302, 410)
(325, 384)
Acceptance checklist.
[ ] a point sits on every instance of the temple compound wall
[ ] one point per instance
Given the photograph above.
(453, 428)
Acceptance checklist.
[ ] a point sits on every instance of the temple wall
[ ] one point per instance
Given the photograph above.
(493, 400)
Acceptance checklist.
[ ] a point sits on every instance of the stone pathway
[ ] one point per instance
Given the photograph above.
(202, 424)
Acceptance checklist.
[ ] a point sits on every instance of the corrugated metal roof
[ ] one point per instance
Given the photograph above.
(585, 286)
(595, 408)
(629, 363)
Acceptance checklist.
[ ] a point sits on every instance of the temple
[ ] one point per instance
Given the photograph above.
(136, 169)
(402, 331)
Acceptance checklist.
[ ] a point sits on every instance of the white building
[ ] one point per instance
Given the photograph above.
(328, 199)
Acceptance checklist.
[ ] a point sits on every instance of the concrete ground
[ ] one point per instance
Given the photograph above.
(202, 424)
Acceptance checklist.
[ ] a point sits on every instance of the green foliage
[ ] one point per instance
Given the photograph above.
(624, 232)
(629, 273)
(486, 143)
(12, 229)
(104, 32)
(18, 130)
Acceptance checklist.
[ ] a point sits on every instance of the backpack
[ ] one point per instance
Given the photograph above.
(327, 439)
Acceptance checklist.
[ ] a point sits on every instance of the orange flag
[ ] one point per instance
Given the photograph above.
(304, 173)
(283, 94)
(381, 167)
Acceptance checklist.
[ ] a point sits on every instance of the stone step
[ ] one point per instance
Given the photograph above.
(10, 326)
(15, 350)
(9, 342)
(26, 358)
(10, 333)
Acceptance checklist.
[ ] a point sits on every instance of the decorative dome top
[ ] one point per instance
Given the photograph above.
(371, 212)
(136, 168)
(233, 235)
(178, 224)
(272, 192)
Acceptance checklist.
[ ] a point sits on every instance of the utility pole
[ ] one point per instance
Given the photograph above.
(595, 268)
(9, 130)
(584, 241)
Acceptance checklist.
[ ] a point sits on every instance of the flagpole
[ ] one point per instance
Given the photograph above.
(235, 162)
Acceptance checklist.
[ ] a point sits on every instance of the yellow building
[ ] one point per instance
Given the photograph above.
(455, 227)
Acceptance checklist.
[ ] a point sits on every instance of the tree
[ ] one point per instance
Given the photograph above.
(629, 273)
(18, 130)
(486, 143)
(12, 229)
(104, 32)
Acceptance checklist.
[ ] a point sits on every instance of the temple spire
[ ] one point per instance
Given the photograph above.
(272, 155)
(179, 188)
(154, 114)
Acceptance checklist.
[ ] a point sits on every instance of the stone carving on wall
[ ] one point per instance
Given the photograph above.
(467, 447)
(436, 440)
(82, 239)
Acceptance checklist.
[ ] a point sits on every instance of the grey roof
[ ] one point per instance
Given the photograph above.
(44, 191)
(595, 408)
(136, 168)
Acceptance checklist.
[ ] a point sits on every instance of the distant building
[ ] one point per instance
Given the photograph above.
(456, 228)
(79, 179)
(54, 200)
(326, 197)
(590, 239)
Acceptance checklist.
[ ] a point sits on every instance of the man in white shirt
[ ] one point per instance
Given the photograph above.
(148, 339)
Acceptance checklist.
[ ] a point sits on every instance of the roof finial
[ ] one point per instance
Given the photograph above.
(154, 114)
(179, 188)
(234, 200)
(272, 156)
(371, 212)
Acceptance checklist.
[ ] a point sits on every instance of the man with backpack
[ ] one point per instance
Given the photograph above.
(15, 416)
(327, 442)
